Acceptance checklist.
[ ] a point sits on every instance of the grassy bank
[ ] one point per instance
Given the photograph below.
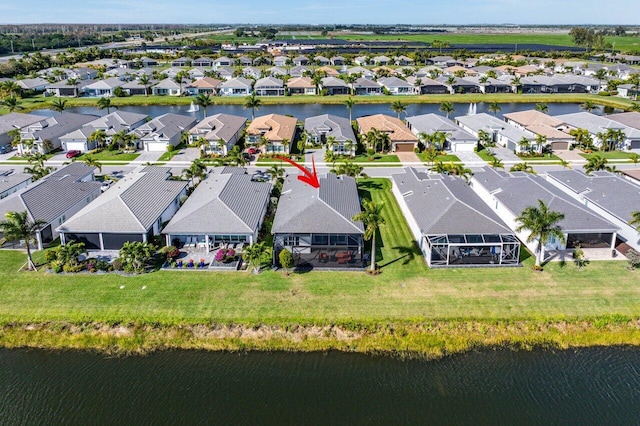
(407, 339)
(431, 311)
(39, 102)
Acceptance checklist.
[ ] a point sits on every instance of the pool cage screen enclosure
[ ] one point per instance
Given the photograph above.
(472, 250)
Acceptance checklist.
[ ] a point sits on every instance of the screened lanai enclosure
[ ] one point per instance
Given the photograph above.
(469, 250)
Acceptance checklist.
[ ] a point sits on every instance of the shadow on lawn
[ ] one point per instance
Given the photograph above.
(408, 254)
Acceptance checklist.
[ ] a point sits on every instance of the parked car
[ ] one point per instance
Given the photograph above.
(253, 151)
(5, 148)
(247, 156)
(73, 153)
(106, 185)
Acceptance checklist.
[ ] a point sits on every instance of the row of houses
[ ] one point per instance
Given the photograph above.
(455, 223)
(278, 133)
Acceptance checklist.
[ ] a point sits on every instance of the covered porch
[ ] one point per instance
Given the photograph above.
(471, 250)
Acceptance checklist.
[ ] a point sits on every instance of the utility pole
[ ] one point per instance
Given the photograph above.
(12, 51)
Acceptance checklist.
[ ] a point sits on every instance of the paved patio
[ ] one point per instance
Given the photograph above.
(590, 254)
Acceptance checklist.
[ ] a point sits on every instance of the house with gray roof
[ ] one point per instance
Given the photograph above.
(457, 139)
(170, 87)
(65, 88)
(397, 86)
(427, 86)
(45, 134)
(103, 88)
(252, 72)
(269, 86)
(112, 123)
(205, 62)
(54, 199)
(15, 121)
(226, 208)
(336, 132)
(181, 62)
(629, 119)
(509, 194)
(611, 196)
(298, 71)
(162, 131)
(381, 60)
(452, 225)
(362, 72)
(500, 132)
(364, 87)
(222, 131)
(316, 226)
(598, 125)
(12, 181)
(238, 86)
(37, 84)
(134, 209)
(334, 86)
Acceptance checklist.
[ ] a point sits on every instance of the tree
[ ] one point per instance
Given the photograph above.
(635, 220)
(104, 103)
(350, 103)
(524, 144)
(522, 167)
(495, 108)
(254, 254)
(596, 163)
(542, 107)
(447, 108)
(583, 138)
(516, 83)
(372, 219)
(74, 82)
(17, 227)
(146, 82)
(349, 168)
(601, 74)
(58, 105)
(398, 107)
(92, 162)
(542, 224)
(286, 260)
(203, 100)
(12, 104)
(611, 139)
(496, 163)
(588, 106)
(99, 137)
(136, 255)
(180, 77)
(578, 257)
(252, 102)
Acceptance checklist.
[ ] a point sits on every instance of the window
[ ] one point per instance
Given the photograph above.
(320, 240)
(291, 241)
(338, 240)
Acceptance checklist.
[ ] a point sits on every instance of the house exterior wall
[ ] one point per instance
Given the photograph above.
(14, 189)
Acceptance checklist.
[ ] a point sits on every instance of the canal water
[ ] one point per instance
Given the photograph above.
(303, 111)
(595, 386)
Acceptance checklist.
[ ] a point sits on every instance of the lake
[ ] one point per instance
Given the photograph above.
(303, 111)
(586, 386)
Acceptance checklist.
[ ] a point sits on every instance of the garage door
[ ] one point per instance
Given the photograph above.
(559, 146)
(511, 145)
(404, 147)
(634, 145)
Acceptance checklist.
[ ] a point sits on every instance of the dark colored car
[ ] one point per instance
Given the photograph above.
(5, 148)
(73, 153)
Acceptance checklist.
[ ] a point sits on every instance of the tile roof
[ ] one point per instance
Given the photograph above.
(17, 120)
(328, 209)
(224, 203)
(132, 205)
(442, 204)
(219, 126)
(517, 191)
(10, 179)
(431, 123)
(330, 125)
(275, 127)
(394, 127)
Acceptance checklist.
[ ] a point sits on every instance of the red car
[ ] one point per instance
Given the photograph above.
(253, 151)
(73, 153)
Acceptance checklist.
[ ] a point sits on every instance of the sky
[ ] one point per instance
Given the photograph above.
(435, 12)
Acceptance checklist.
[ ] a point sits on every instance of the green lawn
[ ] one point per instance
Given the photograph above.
(406, 290)
(609, 155)
(547, 157)
(168, 155)
(106, 155)
(444, 158)
(377, 158)
(485, 155)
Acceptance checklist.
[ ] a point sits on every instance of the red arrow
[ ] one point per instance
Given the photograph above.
(309, 177)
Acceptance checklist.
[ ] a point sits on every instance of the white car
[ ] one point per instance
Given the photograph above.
(106, 185)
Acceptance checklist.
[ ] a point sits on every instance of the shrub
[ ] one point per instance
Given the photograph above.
(50, 256)
(170, 148)
(224, 255)
(102, 265)
(117, 264)
(634, 259)
(604, 93)
(73, 268)
(171, 251)
(56, 266)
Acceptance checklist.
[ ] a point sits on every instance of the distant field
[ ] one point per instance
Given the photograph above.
(621, 43)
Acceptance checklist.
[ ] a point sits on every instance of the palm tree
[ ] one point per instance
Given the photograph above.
(92, 162)
(515, 83)
(611, 139)
(118, 138)
(596, 163)
(635, 220)
(17, 227)
(483, 82)
(495, 108)
(582, 137)
(252, 102)
(12, 104)
(103, 103)
(542, 224)
(254, 254)
(203, 100)
(542, 107)
(398, 107)
(145, 81)
(180, 78)
(522, 167)
(9, 89)
(99, 137)
(447, 108)
(59, 105)
(601, 74)
(588, 106)
(74, 82)
(372, 219)
(349, 103)
(496, 163)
